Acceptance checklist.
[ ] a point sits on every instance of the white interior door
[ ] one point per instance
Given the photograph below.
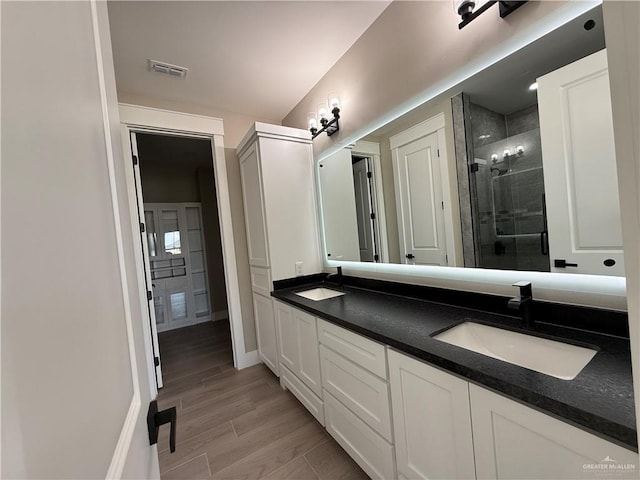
(151, 246)
(579, 160)
(364, 209)
(339, 207)
(420, 202)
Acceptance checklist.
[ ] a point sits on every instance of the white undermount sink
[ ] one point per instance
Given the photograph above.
(558, 359)
(320, 293)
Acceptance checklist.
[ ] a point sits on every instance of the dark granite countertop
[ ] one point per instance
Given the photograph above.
(598, 400)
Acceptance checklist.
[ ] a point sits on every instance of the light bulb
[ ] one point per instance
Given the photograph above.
(494, 158)
(312, 120)
(520, 149)
(533, 86)
(334, 101)
(323, 112)
(506, 153)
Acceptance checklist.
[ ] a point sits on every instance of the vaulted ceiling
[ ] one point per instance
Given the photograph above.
(256, 58)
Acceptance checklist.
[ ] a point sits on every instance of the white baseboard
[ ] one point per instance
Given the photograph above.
(220, 315)
(248, 359)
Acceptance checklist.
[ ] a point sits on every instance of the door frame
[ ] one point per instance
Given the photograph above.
(135, 118)
(432, 125)
(372, 150)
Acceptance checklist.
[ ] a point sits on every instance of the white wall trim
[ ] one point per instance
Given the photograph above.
(121, 451)
(158, 119)
(622, 36)
(249, 359)
(365, 147)
(267, 130)
(153, 119)
(420, 130)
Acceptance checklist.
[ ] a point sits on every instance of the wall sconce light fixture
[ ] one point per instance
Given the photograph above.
(329, 123)
(465, 8)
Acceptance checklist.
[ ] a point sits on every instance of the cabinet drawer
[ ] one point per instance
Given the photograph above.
(362, 351)
(361, 391)
(261, 281)
(299, 390)
(369, 450)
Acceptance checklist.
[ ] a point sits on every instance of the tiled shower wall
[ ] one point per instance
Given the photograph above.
(509, 192)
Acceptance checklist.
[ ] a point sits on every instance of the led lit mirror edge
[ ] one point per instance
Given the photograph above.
(597, 291)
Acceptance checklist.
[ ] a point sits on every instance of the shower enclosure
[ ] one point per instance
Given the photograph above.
(501, 187)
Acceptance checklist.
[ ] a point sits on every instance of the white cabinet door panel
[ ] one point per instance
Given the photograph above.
(253, 196)
(431, 419)
(266, 332)
(513, 441)
(287, 329)
(309, 358)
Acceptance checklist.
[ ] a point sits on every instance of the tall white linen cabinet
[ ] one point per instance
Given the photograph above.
(278, 190)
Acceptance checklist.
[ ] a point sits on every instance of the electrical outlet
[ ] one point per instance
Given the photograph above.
(298, 269)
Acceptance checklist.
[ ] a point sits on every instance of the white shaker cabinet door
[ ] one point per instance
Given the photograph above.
(309, 367)
(431, 420)
(254, 214)
(287, 329)
(513, 441)
(266, 332)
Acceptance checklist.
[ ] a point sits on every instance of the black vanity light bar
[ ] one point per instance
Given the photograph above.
(328, 126)
(506, 7)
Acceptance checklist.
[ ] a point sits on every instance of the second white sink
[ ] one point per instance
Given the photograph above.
(558, 359)
(320, 293)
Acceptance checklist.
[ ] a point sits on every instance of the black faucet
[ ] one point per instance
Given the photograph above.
(338, 275)
(523, 302)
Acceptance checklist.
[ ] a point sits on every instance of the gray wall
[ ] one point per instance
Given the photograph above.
(67, 381)
(411, 50)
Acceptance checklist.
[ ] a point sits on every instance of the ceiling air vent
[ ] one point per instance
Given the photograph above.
(163, 67)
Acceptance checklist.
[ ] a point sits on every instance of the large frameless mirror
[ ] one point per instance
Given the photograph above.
(512, 169)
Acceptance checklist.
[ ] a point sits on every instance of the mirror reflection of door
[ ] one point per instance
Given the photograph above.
(365, 214)
(339, 207)
(585, 231)
(420, 202)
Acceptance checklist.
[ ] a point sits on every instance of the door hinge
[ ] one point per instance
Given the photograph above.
(446, 258)
(473, 167)
(135, 159)
(376, 257)
(442, 203)
(369, 174)
(149, 295)
(438, 152)
(156, 361)
(141, 227)
(373, 215)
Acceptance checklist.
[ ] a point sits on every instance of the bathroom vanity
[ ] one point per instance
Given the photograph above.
(404, 404)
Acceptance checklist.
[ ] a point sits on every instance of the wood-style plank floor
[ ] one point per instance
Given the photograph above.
(237, 424)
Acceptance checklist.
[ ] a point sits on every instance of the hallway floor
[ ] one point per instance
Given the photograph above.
(237, 424)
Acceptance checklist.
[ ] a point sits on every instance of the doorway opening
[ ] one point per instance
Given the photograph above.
(180, 233)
